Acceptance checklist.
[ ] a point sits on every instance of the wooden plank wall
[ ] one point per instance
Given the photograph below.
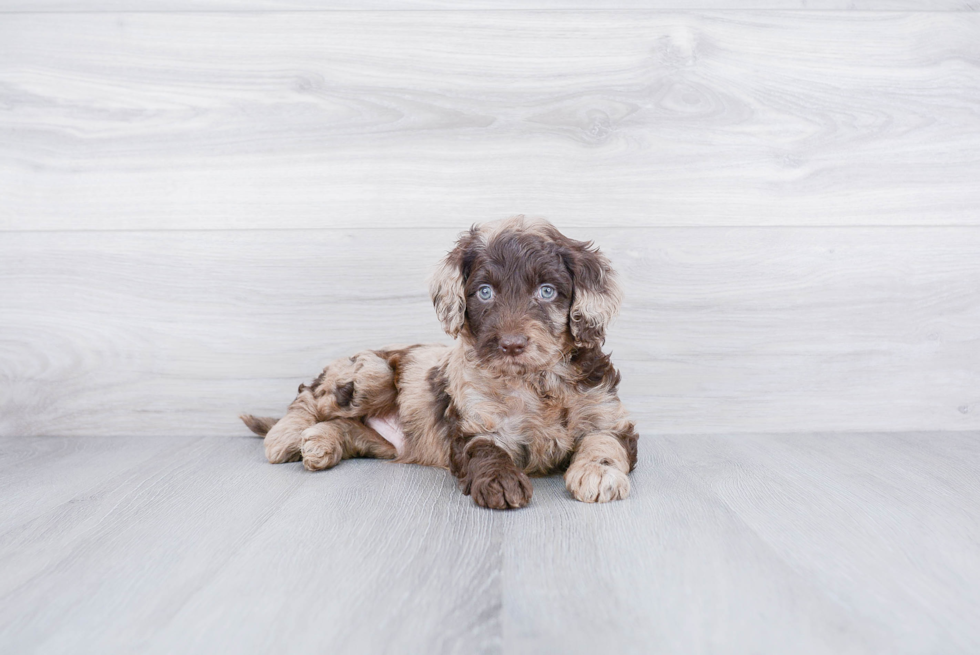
(202, 203)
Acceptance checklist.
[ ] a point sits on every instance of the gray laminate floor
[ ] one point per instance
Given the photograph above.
(831, 543)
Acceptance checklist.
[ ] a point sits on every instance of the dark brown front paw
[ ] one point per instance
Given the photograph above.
(501, 489)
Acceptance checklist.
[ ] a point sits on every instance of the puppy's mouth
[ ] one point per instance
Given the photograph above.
(508, 366)
(506, 360)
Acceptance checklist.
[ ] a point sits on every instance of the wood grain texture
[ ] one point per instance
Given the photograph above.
(829, 543)
(74, 6)
(424, 119)
(771, 329)
(807, 543)
(203, 203)
(132, 563)
(39, 475)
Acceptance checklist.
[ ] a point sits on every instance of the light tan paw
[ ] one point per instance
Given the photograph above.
(592, 482)
(321, 449)
(282, 446)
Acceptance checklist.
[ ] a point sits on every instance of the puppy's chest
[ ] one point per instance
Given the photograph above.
(531, 427)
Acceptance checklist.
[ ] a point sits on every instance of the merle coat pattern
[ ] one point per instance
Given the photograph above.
(524, 390)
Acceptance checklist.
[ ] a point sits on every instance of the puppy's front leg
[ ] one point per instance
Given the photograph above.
(599, 468)
(488, 474)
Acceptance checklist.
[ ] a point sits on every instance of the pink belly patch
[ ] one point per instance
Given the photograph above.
(389, 427)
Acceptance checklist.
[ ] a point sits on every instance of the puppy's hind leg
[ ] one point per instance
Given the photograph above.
(348, 388)
(327, 442)
(351, 387)
(285, 437)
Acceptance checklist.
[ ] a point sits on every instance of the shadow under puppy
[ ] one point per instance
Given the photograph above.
(525, 389)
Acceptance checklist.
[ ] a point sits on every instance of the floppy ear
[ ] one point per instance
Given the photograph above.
(596, 296)
(446, 286)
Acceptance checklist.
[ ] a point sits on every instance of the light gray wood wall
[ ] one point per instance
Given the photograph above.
(435, 119)
(200, 209)
(475, 5)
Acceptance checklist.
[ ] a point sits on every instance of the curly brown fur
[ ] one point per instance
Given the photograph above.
(492, 478)
(525, 390)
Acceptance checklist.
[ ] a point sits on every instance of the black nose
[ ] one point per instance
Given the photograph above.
(513, 344)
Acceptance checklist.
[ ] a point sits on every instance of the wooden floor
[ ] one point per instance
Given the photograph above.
(830, 543)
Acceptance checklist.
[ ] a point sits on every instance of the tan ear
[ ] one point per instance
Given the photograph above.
(446, 286)
(597, 295)
(448, 296)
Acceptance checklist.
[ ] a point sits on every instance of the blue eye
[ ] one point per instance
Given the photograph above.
(547, 292)
(485, 292)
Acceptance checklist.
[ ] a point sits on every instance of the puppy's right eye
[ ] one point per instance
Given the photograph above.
(485, 292)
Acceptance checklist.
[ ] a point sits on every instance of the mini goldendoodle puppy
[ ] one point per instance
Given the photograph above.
(526, 388)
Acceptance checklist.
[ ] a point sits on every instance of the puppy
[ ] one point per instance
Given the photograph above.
(525, 389)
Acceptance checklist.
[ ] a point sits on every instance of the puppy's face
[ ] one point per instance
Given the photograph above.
(522, 295)
(518, 294)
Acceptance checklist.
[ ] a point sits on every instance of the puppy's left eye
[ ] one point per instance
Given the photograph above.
(485, 292)
(547, 292)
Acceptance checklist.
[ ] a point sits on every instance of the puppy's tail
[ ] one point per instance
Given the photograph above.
(260, 425)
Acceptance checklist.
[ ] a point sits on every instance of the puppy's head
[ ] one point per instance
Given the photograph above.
(521, 294)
